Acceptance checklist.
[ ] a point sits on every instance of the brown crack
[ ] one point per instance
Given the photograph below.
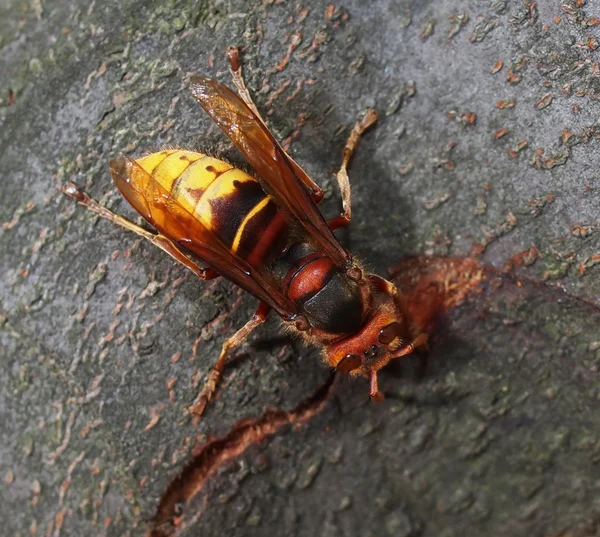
(170, 514)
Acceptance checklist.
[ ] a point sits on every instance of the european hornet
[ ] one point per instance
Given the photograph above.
(265, 233)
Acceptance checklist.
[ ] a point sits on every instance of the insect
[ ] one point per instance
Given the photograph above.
(265, 233)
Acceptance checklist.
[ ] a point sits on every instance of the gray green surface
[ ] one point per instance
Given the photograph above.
(501, 437)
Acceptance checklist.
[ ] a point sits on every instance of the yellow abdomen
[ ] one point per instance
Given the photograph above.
(228, 201)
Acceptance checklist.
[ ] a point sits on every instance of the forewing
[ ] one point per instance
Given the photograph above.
(276, 171)
(170, 218)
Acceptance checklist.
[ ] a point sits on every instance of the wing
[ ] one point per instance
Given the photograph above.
(170, 218)
(277, 172)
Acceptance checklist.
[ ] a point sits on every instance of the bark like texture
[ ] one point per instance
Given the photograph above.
(488, 146)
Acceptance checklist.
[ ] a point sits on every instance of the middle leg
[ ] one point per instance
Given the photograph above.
(216, 372)
(343, 180)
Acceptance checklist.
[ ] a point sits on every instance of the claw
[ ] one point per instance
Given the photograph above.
(71, 190)
(204, 397)
(197, 409)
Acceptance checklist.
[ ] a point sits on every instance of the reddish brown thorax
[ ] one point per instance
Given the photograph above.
(307, 279)
(330, 301)
(371, 346)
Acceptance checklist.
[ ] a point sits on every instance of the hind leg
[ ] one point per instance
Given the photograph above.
(159, 240)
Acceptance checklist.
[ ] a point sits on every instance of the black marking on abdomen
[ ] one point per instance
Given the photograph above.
(182, 181)
(228, 211)
(255, 227)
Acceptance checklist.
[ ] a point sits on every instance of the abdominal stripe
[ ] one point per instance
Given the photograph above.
(229, 211)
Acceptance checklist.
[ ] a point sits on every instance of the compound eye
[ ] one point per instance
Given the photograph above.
(349, 363)
(389, 333)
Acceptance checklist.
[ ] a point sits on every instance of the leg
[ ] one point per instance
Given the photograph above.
(162, 242)
(374, 393)
(382, 285)
(386, 287)
(419, 342)
(361, 126)
(210, 386)
(233, 55)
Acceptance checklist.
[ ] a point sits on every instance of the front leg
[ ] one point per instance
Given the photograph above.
(386, 287)
(216, 371)
(420, 342)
